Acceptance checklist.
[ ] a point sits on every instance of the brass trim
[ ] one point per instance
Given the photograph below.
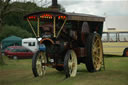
(41, 41)
(61, 27)
(54, 27)
(38, 24)
(31, 27)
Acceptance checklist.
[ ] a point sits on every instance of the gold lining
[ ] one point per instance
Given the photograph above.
(61, 27)
(54, 27)
(38, 24)
(31, 27)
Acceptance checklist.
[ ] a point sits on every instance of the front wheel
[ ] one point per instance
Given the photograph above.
(38, 64)
(70, 64)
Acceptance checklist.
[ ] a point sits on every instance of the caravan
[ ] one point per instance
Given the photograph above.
(31, 43)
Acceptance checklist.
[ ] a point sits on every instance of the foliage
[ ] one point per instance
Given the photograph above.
(61, 8)
(14, 30)
(1, 58)
(16, 18)
(26, 7)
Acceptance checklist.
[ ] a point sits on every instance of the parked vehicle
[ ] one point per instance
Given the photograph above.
(18, 52)
(115, 42)
(31, 43)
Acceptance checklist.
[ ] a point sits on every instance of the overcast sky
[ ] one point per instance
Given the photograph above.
(115, 11)
(98, 7)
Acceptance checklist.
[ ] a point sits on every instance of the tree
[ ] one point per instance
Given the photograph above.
(61, 8)
(3, 7)
(1, 58)
(16, 18)
(6, 8)
(14, 30)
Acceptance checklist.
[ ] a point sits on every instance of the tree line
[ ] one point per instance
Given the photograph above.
(12, 21)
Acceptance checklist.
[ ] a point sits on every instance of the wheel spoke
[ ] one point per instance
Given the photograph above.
(38, 62)
(44, 69)
(39, 68)
(96, 42)
(70, 64)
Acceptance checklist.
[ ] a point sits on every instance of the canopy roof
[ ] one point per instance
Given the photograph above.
(10, 41)
(12, 38)
(70, 16)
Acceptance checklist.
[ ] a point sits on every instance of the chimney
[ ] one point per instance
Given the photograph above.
(54, 3)
(55, 6)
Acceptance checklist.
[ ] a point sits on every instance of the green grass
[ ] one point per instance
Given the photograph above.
(18, 72)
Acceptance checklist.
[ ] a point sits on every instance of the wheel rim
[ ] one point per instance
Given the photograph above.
(97, 53)
(72, 64)
(40, 64)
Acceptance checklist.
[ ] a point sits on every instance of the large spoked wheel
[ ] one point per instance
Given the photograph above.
(70, 64)
(38, 64)
(94, 58)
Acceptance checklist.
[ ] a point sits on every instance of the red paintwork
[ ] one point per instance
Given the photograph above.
(126, 52)
(10, 54)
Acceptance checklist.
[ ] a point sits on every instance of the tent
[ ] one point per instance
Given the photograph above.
(11, 41)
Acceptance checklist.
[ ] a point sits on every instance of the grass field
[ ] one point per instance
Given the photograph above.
(18, 72)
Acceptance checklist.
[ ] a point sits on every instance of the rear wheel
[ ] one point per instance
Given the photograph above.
(70, 64)
(94, 58)
(38, 64)
(125, 53)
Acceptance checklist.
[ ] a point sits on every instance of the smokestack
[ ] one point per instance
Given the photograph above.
(55, 6)
(54, 3)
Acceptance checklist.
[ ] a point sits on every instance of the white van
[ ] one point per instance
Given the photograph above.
(31, 43)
